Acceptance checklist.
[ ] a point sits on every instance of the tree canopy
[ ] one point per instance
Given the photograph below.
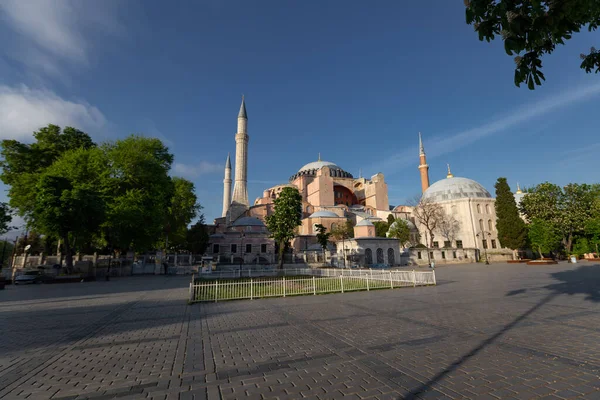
(5, 218)
(544, 236)
(400, 230)
(512, 232)
(531, 29)
(322, 236)
(285, 219)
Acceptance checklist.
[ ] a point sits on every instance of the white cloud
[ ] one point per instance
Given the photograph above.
(24, 110)
(437, 146)
(56, 33)
(194, 171)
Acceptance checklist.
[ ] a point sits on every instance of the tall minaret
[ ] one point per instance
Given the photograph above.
(227, 187)
(240, 188)
(423, 167)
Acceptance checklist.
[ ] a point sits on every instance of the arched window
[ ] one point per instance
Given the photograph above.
(479, 208)
(380, 256)
(368, 256)
(480, 224)
(333, 226)
(490, 224)
(391, 258)
(487, 209)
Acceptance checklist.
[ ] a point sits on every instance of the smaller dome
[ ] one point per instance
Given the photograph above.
(410, 224)
(365, 222)
(324, 214)
(248, 221)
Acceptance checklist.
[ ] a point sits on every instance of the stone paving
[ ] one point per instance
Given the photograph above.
(485, 332)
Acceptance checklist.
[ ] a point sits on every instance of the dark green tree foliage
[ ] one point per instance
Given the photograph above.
(390, 219)
(381, 228)
(512, 232)
(66, 210)
(140, 192)
(592, 229)
(5, 218)
(182, 209)
(197, 237)
(32, 239)
(544, 236)
(22, 164)
(322, 236)
(7, 248)
(400, 230)
(531, 29)
(285, 219)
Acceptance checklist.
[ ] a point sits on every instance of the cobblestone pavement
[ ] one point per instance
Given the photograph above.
(502, 331)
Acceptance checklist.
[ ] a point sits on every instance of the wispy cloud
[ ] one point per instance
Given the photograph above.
(24, 110)
(194, 171)
(437, 146)
(53, 34)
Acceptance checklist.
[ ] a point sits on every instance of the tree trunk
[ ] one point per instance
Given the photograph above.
(68, 253)
(281, 249)
(541, 254)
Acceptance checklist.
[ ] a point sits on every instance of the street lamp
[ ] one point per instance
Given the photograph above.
(483, 233)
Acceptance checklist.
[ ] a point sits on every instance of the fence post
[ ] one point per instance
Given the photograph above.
(250, 273)
(251, 289)
(191, 284)
(367, 276)
(414, 278)
(391, 281)
(342, 282)
(314, 286)
(216, 290)
(284, 286)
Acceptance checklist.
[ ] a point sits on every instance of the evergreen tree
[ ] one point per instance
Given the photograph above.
(285, 218)
(512, 232)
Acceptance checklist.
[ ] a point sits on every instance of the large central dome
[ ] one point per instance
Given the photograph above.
(455, 188)
(312, 168)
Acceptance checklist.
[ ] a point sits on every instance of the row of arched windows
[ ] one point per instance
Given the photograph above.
(487, 208)
(490, 225)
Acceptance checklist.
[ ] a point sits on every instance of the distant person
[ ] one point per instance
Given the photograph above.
(166, 267)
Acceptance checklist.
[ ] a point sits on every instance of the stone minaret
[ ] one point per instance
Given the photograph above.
(240, 187)
(227, 187)
(423, 167)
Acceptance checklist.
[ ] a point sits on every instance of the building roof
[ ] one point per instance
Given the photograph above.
(365, 222)
(312, 168)
(324, 214)
(248, 221)
(455, 188)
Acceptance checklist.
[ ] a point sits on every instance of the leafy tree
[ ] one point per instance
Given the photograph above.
(344, 231)
(23, 164)
(182, 210)
(285, 218)
(568, 209)
(448, 226)
(512, 232)
(5, 218)
(391, 219)
(322, 236)
(592, 228)
(66, 210)
(197, 237)
(400, 230)
(139, 192)
(531, 29)
(32, 239)
(581, 246)
(381, 228)
(544, 236)
(6, 250)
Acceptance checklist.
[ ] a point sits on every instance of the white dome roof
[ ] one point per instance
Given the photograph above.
(318, 165)
(365, 222)
(324, 214)
(455, 188)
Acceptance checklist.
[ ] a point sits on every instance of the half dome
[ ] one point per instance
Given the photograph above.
(455, 188)
(324, 214)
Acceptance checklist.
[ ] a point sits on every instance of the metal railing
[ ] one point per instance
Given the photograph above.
(317, 281)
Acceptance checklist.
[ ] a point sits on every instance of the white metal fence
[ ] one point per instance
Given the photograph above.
(318, 281)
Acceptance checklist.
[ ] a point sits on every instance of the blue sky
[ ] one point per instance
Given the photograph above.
(353, 80)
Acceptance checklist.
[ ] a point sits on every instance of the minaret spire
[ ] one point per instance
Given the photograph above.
(423, 167)
(319, 159)
(240, 187)
(227, 186)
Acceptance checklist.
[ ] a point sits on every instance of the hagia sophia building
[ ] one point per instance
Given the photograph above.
(331, 196)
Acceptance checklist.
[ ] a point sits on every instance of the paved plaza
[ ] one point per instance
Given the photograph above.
(485, 332)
